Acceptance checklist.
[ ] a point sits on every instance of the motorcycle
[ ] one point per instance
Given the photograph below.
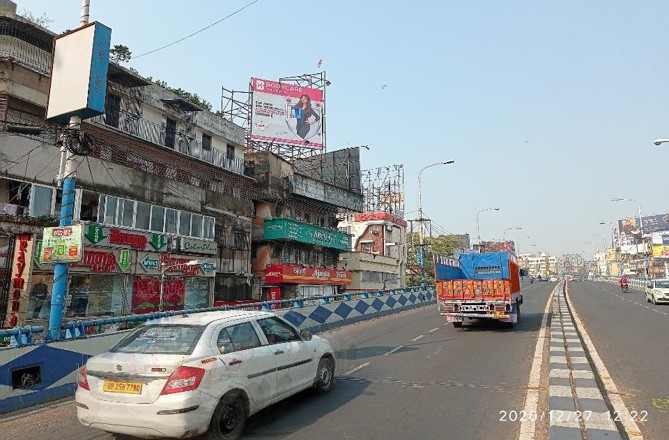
(531, 280)
(624, 288)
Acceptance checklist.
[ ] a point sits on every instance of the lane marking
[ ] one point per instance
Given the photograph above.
(394, 350)
(417, 338)
(528, 426)
(434, 329)
(356, 369)
(630, 426)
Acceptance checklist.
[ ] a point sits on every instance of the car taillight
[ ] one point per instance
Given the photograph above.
(183, 379)
(83, 379)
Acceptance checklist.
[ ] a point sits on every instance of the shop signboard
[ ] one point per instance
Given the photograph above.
(297, 274)
(20, 278)
(104, 236)
(195, 246)
(62, 244)
(107, 261)
(661, 251)
(152, 262)
(287, 229)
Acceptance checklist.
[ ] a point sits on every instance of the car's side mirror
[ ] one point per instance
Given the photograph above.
(305, 335)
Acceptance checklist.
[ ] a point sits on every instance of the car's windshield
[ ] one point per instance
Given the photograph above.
(161, 339)
(664, 284)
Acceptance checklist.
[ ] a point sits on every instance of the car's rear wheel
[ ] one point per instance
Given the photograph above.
(229, 419)
(457, 324)
(324, 376)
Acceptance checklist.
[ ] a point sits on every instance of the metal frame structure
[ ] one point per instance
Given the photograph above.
(383, 189)
(236, 106)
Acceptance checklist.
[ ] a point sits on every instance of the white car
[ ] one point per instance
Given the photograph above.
(657, 291)
(553, 279)
(186, 375)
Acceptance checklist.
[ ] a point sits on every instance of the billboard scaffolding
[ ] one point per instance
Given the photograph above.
(383, 190)
(274, 121)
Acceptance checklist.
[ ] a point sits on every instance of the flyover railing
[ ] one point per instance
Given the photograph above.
(29, 335)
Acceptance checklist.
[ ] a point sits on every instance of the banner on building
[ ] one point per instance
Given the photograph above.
(286, 113)
(297, 274)
(655, 223)
(661, 251)
(630, 232)
(62, 244)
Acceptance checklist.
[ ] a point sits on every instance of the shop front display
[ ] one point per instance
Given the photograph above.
(297, 280)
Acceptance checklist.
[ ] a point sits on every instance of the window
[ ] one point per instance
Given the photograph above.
(170, 132)
(167, 339)
(277, 331)
(171, 221)
(128, 211)
(112, 110)
(206, 142)
(41, 201)
(367, 247)
(238, 337)
(209, 225)
(143, 216)
(196, 226)
(240, 239)
(184, 223)
(157, 218)
(89, 206)
(110, 211)
(229, 152)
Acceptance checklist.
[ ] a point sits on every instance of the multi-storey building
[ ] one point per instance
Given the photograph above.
(163, 183)
(296, 244)
(379, 251)
(539, 264)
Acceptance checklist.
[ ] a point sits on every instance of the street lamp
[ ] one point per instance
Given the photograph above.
(421, 250)
(509, 229)
(659, 142)
(163, 269)
(478, 230)
(620, 199)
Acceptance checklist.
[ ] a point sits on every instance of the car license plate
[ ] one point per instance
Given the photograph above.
(122, 387)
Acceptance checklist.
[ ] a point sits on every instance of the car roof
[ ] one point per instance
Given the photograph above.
(206, 318)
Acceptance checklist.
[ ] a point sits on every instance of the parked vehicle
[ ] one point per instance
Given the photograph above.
(205, 373)
(479, 286)
(657, 291)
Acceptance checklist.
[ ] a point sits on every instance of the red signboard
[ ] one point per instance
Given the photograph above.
(370, 216)
(297, 274)
(97, 261)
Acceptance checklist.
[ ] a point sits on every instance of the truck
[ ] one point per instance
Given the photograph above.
(479, 286)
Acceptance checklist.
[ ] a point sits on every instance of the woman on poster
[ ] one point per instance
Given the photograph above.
(306, 116)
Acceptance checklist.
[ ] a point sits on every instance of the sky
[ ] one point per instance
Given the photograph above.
(549, 109)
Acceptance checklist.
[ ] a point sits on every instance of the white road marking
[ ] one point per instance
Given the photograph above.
(616, 400)
(394, 350)
(356, 369)
(528, 426)
(434, 329)
(417, 338)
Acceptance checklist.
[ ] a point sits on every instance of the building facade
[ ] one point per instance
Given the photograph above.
(163, 183)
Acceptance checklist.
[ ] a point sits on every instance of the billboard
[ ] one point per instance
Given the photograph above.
(655, 223)
(498, 246)
(661, 251)
(286, 113)
(630, 232)
(62, 244)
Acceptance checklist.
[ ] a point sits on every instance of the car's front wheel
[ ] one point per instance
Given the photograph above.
(229, 419)
(324, 376)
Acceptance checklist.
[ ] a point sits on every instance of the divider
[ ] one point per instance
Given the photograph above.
(41, 373)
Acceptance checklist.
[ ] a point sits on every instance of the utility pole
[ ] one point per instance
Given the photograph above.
(67, 176)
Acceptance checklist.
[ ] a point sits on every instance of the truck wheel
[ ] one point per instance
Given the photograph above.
(457, 324)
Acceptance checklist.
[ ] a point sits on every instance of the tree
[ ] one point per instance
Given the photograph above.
(43, 21)
(120, 54)
(442, 244)
(188, 96)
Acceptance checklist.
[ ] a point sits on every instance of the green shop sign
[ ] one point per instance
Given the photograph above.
(286, 229)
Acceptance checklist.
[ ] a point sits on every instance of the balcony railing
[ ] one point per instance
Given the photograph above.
(178, 141)
(24, 53)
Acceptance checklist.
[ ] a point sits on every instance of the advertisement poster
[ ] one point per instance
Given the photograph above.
(286, 114)
(655, 223)
(62, 244)
(146, 294)
(661, 251)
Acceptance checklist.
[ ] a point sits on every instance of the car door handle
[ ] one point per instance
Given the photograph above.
(278, 352)
(235, 362)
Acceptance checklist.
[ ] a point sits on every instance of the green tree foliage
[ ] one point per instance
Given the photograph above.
(188, 96)
(120, 54)
(442, 245)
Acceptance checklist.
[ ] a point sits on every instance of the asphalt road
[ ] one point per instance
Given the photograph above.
(408, 375)
(631, 337)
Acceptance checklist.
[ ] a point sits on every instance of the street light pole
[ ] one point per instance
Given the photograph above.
(421, 245)
(478, 229)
